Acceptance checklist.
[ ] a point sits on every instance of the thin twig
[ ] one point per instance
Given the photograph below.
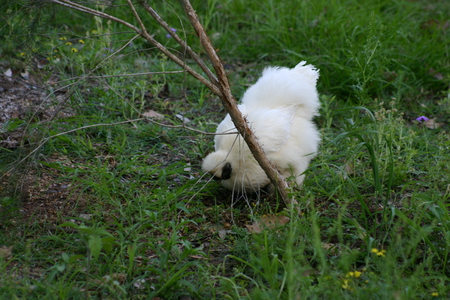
(183, 43)
(125, 75)
(191, 129)
(146, 36)
(93, 12)
(44, 141)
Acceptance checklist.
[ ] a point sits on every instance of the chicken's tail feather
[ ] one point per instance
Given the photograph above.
(309, 71)
(280, 87)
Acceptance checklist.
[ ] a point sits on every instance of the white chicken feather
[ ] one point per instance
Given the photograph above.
(279, 108)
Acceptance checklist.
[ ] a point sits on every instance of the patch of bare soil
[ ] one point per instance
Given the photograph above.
(24, 100)
(44, 197)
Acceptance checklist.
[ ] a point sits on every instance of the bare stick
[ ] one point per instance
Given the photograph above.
(142, 32)
(124, 75)
(42, 142)
(180, 41)
(230, 105)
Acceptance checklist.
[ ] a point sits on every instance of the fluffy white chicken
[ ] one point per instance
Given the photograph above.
(279, 108)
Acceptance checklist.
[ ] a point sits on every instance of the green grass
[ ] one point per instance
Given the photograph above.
(133, 217)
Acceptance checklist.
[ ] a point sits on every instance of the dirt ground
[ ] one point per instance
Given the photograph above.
(24, 99)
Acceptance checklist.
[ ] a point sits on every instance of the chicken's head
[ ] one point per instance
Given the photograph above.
(237, 172)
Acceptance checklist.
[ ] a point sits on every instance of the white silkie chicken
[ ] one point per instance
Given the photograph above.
(279, 108)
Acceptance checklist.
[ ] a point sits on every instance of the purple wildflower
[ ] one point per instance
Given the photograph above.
(108, 49)
(422, 119)
(171, 29)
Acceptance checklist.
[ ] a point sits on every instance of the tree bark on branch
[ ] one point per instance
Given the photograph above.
(218, 83)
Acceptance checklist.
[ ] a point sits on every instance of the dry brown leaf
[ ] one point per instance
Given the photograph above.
(254, 228)
(222, 234)
(267, 221)
(349, 167)
(308, 272)
(6, 252)
(153, 115)
(436, 74)
(431, 123)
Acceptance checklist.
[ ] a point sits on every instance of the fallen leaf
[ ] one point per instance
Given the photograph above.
(6, 252)
(8, 73)
(25, 75)
(254, 228)
(222, 234)
(183, 118)
(349, 167)
(436, 74)
(120, 277)
(439, 76)
(139, 284)
(267, 221)
(435, 24)
(431, 123)
(86, 216)
(153, 115)
(41, 63)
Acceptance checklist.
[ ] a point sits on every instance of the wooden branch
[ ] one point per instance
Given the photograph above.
(183, 43)
(44, 141)
(145, 35)
(230, 105)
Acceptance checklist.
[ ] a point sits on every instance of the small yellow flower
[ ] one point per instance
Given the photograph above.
(81, 41)
(379, 252)
(435, 294)
(63, 38)
(22, 54)
(74, 50)
(56, 51)
(355, 274)
(346, 286)
(68, 43)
